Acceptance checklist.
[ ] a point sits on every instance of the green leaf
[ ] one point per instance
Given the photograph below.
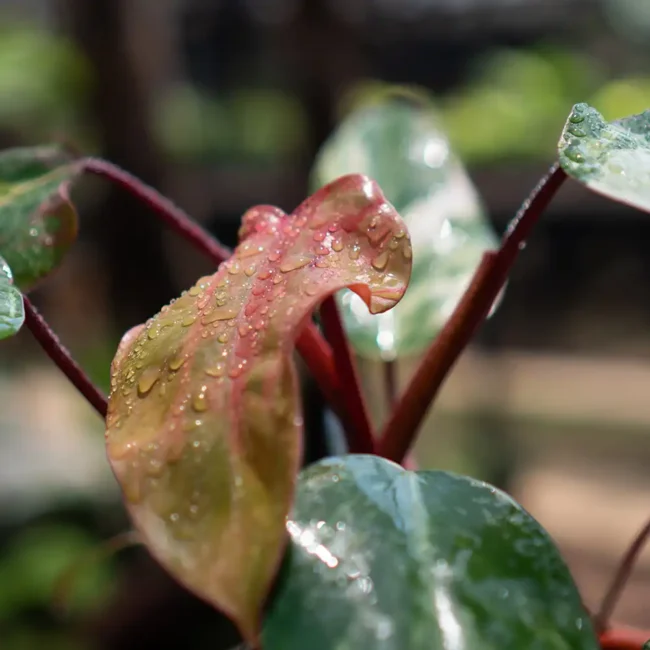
(401, 146)
(204, 426)
(386, 559)
(612, 159)
(38, 223)
(12, 311)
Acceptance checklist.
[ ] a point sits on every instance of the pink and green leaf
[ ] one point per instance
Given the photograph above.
(204, 426)
(38, 223)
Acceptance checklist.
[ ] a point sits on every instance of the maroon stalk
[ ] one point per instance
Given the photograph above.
(168, 212)
(50, 342)
(622, 575)
(489, 279)
(360, 436)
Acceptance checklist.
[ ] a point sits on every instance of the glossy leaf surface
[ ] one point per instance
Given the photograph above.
(38, 223)
(612, 159)
(204, 425)
(386, 559)
(12, 312)
(401, 146)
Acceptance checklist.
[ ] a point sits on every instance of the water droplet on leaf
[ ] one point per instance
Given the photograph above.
(147, 380)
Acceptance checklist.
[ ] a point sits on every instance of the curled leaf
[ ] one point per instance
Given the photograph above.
(38, 223)
(386, 559)
(204, 425)
(401, 146)
(612, 159)
(12, 311)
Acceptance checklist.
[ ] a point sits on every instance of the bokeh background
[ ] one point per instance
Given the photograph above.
(222, 104)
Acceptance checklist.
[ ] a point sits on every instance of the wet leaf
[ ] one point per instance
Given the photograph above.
(204, 425)
(38, 223)
(612, 159)
(401, 146)
(386, 559)
(12, 313)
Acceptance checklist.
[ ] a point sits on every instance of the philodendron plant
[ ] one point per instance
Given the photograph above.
(204, 425)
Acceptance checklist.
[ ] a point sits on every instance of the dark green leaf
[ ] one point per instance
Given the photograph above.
(12, 314)
(37, 220)
(612, 159)
(385, 559)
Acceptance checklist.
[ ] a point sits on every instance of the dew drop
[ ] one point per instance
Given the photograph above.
(264, 274)
(223, 337)
(321, 250)
(277, 279)
(244, 329)
(194, 291)
(217, 371)
(381, 261)
(247, 249)
(319, 235)
(153, 332)
(337, 245)
(294, 262)
(573, 153)
(250, 309)
(147, 380)
(250, 270)
(220, 314)
(176, 362)
(407, 251)
(188, 320)
(234, 268)
(275, 256)
(258, 290)
(199, 402)
(578, 131)
(393, 244)
(355, 252)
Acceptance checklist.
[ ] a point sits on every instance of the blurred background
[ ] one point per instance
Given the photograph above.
(222, 104)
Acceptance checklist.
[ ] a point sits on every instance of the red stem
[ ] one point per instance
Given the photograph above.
(623, 639)
(489, 279)
(390, 381)
(622, 575)
(168, 212)
(50, 342)
(360, 436)
(311, 345)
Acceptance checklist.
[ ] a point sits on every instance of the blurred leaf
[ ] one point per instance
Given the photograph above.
(400, 145)
(44, 80)
(204, 427)
(515, 103)
(12, 313)
(386, 559)
(612, 159)
(34, 562)
(622, 97)
(38, 223)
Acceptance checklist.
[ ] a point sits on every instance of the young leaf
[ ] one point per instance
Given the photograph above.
(38, 223)
(385, 559)
(401, 146)
(204, 425)
(12, 313)
(612, 159)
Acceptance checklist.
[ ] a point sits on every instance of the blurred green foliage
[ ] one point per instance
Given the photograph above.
(34, 560)
(44, 84)
(252, 125)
